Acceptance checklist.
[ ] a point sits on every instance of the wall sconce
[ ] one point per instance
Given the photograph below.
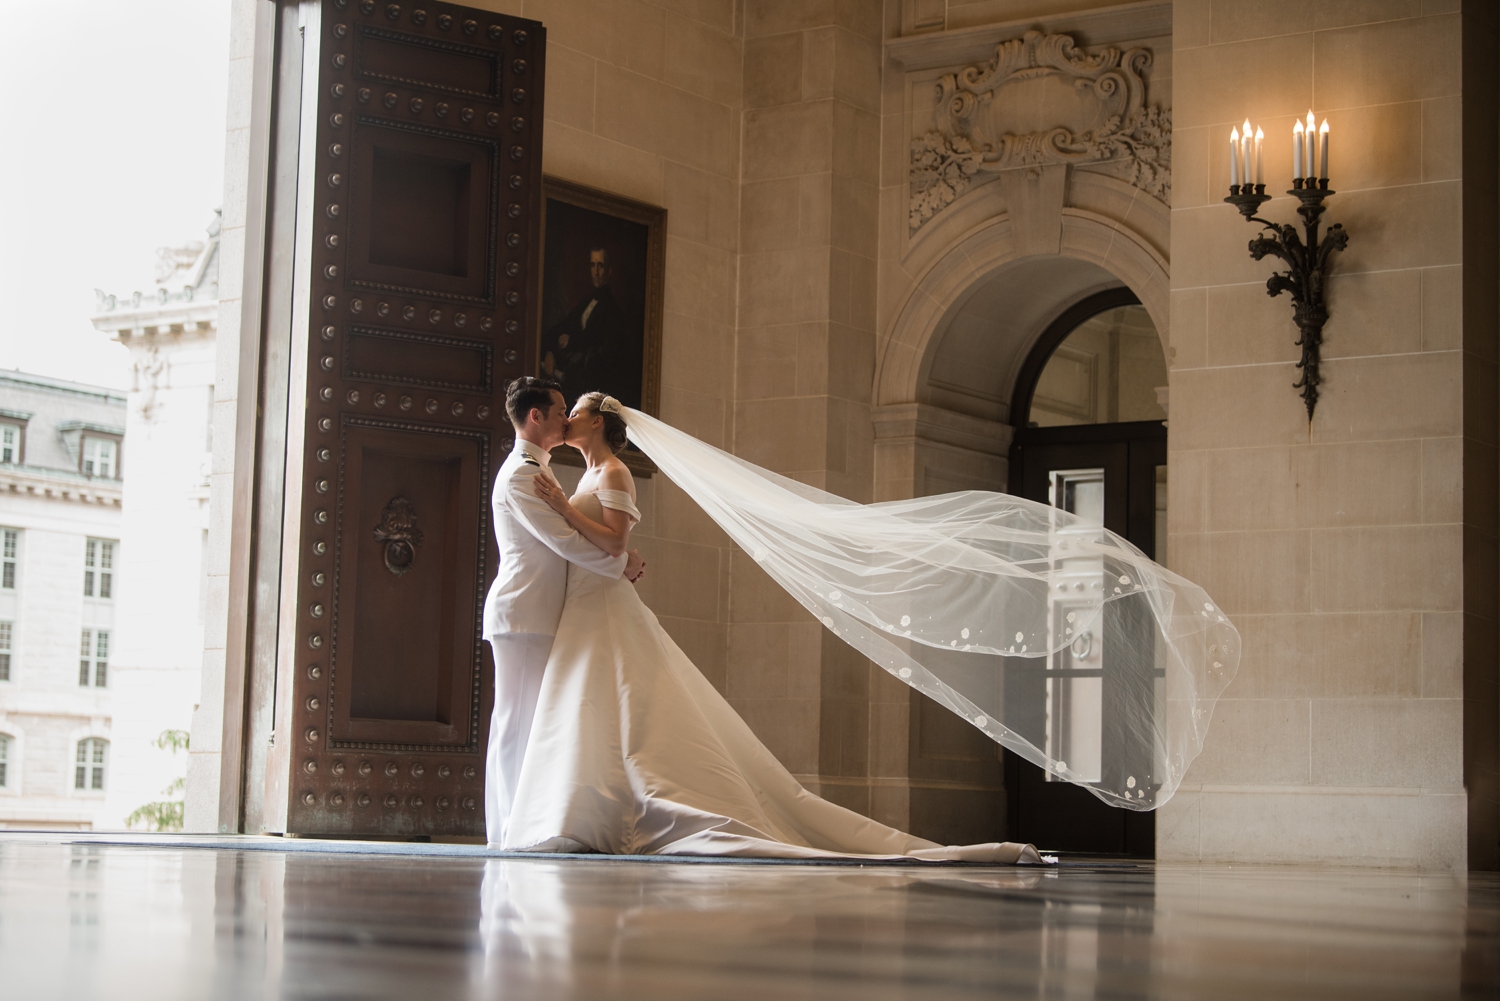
(1306, 258)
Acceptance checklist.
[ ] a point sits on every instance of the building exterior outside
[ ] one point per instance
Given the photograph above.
(62, 455)
(169, 332)
(101, 588)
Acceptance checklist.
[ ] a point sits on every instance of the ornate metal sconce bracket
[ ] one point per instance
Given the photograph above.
(1307, 266)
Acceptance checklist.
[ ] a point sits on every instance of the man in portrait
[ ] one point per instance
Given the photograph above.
(583, 350)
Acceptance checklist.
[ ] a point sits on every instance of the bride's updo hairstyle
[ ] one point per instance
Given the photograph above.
(614, 424)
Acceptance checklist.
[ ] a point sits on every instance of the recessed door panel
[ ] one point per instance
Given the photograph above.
(411, 578)
(423, 179)
(422, 211)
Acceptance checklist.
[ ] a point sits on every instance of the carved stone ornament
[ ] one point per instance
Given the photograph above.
(1041, 101)
(398, 530)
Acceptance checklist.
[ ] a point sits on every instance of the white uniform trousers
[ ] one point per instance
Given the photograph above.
(520, 660)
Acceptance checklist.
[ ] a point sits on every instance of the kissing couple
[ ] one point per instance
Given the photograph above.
(606, 738)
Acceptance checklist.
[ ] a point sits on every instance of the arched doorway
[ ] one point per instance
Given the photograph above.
(986, 287)
(1089, 408)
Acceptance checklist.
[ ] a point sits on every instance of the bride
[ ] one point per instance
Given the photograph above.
(1053, 636)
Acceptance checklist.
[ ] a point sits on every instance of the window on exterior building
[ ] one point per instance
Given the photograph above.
(10, 443)
(100, 457)
(4, 761)
(88, 769)
(5, 637)
(99, 568)
(10, 541)
(93, 658)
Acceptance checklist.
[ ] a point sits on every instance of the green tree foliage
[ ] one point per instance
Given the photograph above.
(164, 815)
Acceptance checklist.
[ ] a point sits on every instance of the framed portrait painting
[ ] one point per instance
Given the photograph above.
(601, 298)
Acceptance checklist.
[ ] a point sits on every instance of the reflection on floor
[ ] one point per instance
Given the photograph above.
(82, 919)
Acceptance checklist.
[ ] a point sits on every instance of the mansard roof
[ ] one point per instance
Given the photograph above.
(55, 412)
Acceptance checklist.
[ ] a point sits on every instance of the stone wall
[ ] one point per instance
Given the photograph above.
(1355, 552)
(804, 357)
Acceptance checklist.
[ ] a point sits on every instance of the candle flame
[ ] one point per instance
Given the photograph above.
(1324, 129)
(1234, 135)
(1297, 129)
(1260, 133)
(1312, 122)
(1246, 131)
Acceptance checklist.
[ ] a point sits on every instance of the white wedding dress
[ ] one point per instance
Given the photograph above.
(633, 752)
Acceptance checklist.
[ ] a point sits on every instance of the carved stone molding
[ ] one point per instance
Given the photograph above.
(1040, 101)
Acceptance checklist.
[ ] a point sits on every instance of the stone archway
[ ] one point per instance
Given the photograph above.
(1102, 221)
(1071, 222)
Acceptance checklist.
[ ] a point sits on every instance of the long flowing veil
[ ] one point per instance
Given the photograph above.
(1055, 637)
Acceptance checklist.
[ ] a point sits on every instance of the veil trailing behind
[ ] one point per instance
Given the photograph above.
(1056, 637)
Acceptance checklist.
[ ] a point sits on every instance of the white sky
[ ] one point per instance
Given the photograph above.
(114, 146)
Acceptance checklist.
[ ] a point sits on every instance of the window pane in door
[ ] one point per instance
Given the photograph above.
(1075, 682)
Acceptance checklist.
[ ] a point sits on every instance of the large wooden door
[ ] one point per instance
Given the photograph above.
(419, 202)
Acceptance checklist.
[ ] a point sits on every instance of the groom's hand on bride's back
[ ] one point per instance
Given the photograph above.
(635, 567)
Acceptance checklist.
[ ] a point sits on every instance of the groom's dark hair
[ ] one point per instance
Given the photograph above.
(529, 393)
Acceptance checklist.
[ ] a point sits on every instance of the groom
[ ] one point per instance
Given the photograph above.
(526, 600)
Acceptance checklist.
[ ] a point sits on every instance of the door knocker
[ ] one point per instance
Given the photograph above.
(398, 530)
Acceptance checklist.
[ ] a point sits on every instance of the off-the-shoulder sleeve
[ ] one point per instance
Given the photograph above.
(620, 501)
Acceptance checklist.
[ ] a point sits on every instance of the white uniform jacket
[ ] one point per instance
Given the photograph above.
(536, 546)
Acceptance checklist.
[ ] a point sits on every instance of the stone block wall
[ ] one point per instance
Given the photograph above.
(1354, 552)
(804, 358)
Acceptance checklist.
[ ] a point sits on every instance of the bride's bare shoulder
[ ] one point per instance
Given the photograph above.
(616, 476)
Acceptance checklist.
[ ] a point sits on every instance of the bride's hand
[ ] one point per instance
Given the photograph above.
(552, 494)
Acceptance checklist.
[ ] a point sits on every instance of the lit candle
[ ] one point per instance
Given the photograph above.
(1245, 152)
(1311, 154)
(1323, 154)
(1260, 156)
(1234, 156)
(1297, 150)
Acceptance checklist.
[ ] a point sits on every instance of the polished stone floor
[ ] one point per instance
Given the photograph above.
(83, 918)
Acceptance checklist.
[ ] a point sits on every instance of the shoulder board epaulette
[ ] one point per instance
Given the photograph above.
(530, 461)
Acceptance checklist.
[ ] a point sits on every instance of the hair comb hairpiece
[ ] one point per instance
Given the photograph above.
(609, 405)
